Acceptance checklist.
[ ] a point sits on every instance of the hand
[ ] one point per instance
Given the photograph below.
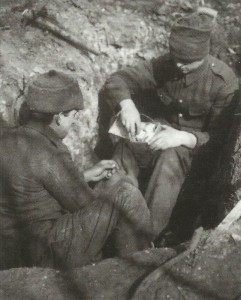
(130, 117)
(169, 137)
(103, 169)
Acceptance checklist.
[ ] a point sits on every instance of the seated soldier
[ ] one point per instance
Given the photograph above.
(190, 93)
(49, 214)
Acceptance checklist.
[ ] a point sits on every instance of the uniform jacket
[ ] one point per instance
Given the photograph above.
(199, 102)
(38, 178)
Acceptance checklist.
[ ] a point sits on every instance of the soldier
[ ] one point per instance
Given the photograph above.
(49, 214)
(190, 93)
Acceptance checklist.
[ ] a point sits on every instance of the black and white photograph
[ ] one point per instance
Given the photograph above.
(120, 149)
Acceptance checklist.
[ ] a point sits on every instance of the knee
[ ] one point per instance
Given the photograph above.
(173, 163)
(175, 158)
(174, 153)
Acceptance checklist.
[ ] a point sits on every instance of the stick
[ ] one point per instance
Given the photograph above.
(59, 32)
(233, 216)
(151, 280)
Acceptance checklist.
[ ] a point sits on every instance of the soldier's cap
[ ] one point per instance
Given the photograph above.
(54, 92)
(190, 35)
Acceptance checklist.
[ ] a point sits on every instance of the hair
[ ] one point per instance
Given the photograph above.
(26, 115)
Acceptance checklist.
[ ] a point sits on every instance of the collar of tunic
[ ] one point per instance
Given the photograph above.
(46, 131)
(196, 74)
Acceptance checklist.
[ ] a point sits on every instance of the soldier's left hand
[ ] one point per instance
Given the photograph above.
(103, 169)
(170, 137)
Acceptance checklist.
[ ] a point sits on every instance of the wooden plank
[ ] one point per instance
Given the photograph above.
(233, 215)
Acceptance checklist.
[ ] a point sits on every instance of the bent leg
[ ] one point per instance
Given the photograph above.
(78, 239)
(170, 168)
(126, 161)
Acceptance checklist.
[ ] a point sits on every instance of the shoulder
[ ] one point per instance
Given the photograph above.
(163, 60)
(221, 69)
(163, 67)
(38, 146)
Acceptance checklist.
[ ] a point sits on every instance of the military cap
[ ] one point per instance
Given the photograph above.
(54, 92)
(190, 36)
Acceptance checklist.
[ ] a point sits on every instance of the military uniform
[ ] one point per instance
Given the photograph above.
(199, 102)
(49, 214)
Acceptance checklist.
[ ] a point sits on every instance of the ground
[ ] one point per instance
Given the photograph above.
(123, 32)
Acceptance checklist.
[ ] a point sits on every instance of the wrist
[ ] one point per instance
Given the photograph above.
(126, 104)
(87, 175)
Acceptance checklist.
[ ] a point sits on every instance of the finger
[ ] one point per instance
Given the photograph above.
(138, 126)
(100, 176)
(124, 123)
(133, 128)
(109, 174)
(113, 171)
(153, 138)
(127, 126)
(108, 164)
(157, 146)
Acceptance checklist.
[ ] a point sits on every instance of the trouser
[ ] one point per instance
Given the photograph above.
(166, 172)
(78, 239)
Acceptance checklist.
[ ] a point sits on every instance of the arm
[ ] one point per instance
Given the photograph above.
(119, 89)
(64, 182)
(169, 137)
(215, 128)
(67, 184)
(220, 118)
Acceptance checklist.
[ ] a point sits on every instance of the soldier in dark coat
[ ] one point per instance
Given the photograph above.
(49, 214)
(190, 93)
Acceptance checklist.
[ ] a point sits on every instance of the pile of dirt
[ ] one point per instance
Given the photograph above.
(110, 279)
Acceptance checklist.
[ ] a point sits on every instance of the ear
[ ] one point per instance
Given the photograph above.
(56, 119)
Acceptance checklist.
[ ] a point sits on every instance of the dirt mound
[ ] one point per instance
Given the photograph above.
(110, 279)
(27, 50)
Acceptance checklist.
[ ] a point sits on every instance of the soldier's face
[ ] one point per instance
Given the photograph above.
(187, 67)
(65, 120)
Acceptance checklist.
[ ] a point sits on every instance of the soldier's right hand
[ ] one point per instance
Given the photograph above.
(130, 117)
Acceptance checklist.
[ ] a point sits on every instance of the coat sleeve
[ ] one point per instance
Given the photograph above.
(65, 182)
(128, 81)
(220, 117)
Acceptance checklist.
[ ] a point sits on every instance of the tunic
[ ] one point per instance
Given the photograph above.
(49, 214)
(200, 102)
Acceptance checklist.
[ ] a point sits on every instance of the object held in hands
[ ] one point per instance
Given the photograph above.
(138, 143)
(148, 130)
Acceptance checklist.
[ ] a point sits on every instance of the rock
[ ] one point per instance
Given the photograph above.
(37, 284)
(71, 66)
(114, 278)
(186, 6)
(109, 279)
(211, 271)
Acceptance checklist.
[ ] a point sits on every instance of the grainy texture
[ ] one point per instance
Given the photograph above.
(127, 32)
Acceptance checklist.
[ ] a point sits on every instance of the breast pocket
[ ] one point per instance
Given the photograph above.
(196, 115)
(198, 110)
